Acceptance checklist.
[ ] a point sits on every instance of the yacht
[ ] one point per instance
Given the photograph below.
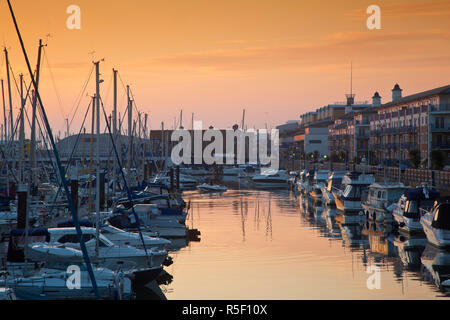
(436, 225)
(108, 254)
(123, 238)
(319, 181)
(380, 201)
(407, 210)
(271, 179)
(51, 284)
(356, 188)
(334, 182)
(160, 206)
(165, 228)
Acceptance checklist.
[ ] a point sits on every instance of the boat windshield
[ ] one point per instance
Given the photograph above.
(411, 206)
(442, 217)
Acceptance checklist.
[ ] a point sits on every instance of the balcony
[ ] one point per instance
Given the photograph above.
(441, 108)
(435, 128)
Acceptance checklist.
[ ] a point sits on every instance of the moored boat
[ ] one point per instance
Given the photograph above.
(409, 208)
(436, 225)
(379, 204)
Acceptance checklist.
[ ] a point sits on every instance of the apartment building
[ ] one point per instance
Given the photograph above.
(419, 121)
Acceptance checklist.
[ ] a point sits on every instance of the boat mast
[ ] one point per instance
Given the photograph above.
(91, 154)
(33, 175)
(145, 146)
(97, 179)
(115, 129)
(163, 151)
(5, 124)
(130, 124)
(10, 97)
(21, 132)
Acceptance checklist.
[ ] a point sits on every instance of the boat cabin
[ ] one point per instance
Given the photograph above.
(385, 193)
(441, 216)
(413, 201)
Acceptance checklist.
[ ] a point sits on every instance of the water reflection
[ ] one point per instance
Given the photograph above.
(260, 244)
(410, 255)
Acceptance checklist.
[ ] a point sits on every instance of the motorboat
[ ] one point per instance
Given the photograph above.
(334, 182)
(356, 189)
(205, 187)
(436, 225)
(409, 208)
(319, 181)
(381, 199)
(271, 179)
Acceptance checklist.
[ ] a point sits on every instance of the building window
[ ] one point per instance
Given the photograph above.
(315, 141)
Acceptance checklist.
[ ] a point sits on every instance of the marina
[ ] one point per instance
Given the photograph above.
(111, 202)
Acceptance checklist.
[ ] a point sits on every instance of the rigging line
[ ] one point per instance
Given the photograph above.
(130, 197)
(80, 96)
(71, 155)
(61, 109)
(55, 151)
(17, 86)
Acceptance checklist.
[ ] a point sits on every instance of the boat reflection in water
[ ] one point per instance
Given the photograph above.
(436, 268)
(304, 246)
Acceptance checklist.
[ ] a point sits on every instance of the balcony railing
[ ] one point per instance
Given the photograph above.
(440, 108)
(433, 127)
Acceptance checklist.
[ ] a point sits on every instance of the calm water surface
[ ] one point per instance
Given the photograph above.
(274, 245)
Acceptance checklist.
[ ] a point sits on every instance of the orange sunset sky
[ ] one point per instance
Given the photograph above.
(277, 59)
